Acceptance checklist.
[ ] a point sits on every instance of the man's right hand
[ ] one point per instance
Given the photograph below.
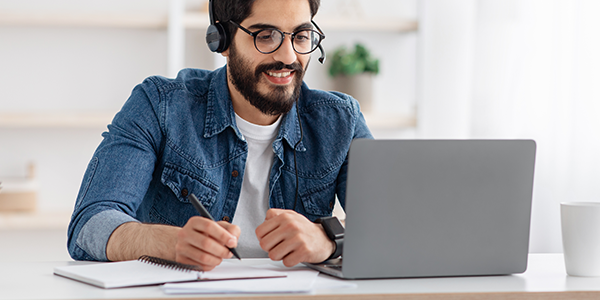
(204, 242)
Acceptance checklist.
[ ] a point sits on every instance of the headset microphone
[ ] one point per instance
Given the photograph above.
(322, 57)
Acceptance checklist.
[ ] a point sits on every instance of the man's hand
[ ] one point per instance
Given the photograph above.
(289, 236)
(204, 242)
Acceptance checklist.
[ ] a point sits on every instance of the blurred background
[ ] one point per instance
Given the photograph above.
(452, 69)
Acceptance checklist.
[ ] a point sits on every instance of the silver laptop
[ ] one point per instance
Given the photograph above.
(432, 208)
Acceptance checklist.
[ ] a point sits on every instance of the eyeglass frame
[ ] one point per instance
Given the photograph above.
(283, 33)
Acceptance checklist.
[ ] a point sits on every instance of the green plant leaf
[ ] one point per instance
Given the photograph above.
(352, 63)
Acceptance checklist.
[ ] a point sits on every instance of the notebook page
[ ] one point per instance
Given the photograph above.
(124, 274)
(236, 270)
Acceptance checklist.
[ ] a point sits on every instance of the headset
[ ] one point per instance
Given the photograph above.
(217, 37)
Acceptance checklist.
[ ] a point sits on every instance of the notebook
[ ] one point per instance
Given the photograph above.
(148, 270)
(429, 208)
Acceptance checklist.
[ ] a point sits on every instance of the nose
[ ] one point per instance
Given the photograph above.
(285, 53)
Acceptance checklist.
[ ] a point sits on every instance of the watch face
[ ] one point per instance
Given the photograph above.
(333, 228)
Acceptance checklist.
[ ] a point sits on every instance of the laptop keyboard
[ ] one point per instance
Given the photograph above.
(335, 267)
(335, 264)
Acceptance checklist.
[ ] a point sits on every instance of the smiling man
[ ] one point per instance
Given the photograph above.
(265, 154)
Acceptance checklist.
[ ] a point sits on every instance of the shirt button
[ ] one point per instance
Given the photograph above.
(331, 205)
(184, 192)
(226, 218)
(235, 173)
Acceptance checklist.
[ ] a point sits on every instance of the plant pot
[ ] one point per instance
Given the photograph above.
(359, 86)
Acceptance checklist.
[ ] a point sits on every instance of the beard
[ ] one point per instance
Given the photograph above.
(279, 100)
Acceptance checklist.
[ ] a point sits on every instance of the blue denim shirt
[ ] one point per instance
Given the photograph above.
(178, 136)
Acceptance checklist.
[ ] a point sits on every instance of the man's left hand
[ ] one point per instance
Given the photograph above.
(289, 236)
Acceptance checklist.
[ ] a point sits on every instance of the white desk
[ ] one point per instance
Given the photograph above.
(545, 278)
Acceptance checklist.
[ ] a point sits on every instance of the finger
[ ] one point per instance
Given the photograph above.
(186, 260)
(273, 212)
(270, 242)
(266, 227)
(284, 229)
(202, 234)
(210, 246)
(188, 251)
(233, 229)
(213, 229)
(293, 251)
(293, 259)
(283, 249)
(275, 217)
(194, 256)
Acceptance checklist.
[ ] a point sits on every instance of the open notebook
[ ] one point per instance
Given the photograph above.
(149, 270)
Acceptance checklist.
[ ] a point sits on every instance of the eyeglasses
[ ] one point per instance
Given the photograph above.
(268, 40)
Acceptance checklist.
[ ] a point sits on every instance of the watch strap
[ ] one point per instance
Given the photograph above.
(336, 237)
(339, 248)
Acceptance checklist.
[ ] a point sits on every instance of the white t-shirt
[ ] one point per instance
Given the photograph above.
(254, 198)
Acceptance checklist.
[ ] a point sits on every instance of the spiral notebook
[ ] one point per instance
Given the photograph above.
(148, 270)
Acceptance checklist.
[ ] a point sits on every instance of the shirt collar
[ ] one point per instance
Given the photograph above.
(290, 128)
(219, 109)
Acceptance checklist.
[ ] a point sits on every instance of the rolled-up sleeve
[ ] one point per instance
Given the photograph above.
(118, 175)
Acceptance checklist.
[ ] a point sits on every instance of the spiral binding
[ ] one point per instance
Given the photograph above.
(169, 264)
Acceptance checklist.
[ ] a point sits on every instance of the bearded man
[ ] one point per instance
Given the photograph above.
(264, 154)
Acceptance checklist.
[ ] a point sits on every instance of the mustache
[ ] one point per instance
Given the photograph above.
(278, 66)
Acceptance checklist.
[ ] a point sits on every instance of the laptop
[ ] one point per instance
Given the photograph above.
(436, 208)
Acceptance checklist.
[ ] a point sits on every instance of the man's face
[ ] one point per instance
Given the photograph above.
(270, 82)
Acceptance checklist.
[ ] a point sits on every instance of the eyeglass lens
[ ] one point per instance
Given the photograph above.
(303, 41)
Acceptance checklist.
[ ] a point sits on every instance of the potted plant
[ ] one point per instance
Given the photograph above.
(353, 72)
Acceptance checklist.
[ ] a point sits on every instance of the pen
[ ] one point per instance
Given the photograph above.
(204, 213)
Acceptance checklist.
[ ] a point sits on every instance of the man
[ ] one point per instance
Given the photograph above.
(250, 140)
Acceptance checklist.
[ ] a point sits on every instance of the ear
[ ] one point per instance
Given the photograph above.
(225, 53)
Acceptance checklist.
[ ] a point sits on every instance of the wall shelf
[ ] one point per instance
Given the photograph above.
(381, 120)
(200, 20)
(35, 220)
(191, 20)
(390, 25)
(77, 120)
(114, 20)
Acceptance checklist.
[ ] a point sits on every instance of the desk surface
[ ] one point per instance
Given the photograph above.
(545, 278)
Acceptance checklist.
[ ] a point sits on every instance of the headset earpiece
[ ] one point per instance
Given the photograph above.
(217, 38)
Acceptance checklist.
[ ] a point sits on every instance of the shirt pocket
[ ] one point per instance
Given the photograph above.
(319, 201)
(183, 182)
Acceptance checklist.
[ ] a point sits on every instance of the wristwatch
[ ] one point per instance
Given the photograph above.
(335, 232)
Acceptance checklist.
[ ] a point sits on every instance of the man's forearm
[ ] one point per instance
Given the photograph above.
(132, 240)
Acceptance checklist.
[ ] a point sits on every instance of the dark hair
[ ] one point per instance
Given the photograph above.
(239, 10)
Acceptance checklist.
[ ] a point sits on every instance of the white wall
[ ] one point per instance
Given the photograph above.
(62, 69)
(518, 69)
(445, 74)
(67, 69)
(395, 86)
(90, 69)
(537, 77)
(56, 68)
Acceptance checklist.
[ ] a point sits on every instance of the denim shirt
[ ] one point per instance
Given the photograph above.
(174, 137)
